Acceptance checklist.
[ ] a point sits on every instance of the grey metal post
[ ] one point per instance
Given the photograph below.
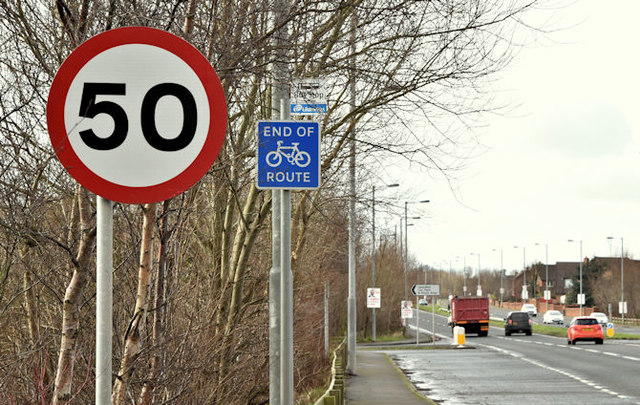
(524, 271)
(279, 108)
(433, 319)
(373, 260)
(406, 286)
(622, 277)
(621, 304)
(286, 300)
(546, 277)
(501, 278)
(274, 301)
(351, 299)
(326, 318)
(580, 277)
(104, 300)
(417, 321)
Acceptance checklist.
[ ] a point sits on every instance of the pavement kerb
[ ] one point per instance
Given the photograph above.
(408, 383)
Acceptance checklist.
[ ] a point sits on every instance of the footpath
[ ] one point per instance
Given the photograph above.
(379, 382)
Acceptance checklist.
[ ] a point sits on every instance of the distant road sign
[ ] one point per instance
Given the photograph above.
(308, 96)
(288, 154)
(406, 310)
(425, 289)
(373, 298)
(136, 115)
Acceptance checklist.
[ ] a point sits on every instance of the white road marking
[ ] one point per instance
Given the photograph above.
(557, 370)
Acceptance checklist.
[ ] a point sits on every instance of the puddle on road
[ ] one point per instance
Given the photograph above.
(480, 377)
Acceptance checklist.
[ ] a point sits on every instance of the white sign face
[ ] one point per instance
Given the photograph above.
(622, 307)
(406, 310)
(373, 298)
(308, 96)
(425, 289)
(136, 115)
(581, 299)
(547, 294)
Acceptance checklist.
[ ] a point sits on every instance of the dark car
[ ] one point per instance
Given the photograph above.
(517, 322)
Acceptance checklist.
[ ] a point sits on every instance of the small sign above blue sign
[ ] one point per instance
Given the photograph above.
(288, 155)
(308, 96)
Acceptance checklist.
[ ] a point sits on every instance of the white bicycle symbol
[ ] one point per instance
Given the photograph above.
(294, 156)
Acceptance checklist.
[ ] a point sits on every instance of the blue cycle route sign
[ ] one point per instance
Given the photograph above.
(288, 155)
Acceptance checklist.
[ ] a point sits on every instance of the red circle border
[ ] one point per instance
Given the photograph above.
(146, 36)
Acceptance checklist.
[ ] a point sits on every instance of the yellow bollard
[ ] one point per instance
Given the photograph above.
(610, 331)
(458, 335)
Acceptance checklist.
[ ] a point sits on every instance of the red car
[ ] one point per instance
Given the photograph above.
(584, 328)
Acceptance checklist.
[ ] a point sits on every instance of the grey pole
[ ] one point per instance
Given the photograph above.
(351, 299)
(104, 300)
(622, 277)
(479, 290)
(581, 277)
(524, 271)
(464, 275)
(546, 276)
(579, 297)
(279, 109)
(373, 259)
(406, 295)
(621, 305)
(417, 321)
(286, 300)
(326, 318)
(274, 301)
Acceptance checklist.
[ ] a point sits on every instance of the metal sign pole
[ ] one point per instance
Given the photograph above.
(286, 290)
(274, 301)
(104, 300)
(417, 320)
(286, 300)
(433, 318)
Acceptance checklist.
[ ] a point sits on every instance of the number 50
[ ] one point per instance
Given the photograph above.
(89, 109)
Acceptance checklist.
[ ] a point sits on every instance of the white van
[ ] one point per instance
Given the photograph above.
(530, 308)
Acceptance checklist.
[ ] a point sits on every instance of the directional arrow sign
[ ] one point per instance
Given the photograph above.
(425, 289)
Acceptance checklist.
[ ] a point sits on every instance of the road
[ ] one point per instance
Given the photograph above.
(521, 369)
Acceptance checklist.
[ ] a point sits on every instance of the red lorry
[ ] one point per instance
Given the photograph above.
(472, 313)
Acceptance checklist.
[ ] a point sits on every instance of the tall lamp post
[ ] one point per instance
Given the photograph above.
(373, 254)
(479, 290)
(501, 277)
(581, 296)
(547, 293)
(406, 286)
(525, 290)
(622, 306)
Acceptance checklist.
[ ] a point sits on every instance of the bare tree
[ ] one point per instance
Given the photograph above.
(416, 62)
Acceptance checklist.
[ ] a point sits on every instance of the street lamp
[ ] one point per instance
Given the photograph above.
(581, 296)
(622, 306)
(373, 254)
(525, 290)
(464, 275)
(479, 290)
(501, 277)
(406, 248)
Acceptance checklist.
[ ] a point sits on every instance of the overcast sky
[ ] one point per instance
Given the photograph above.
(564, 165)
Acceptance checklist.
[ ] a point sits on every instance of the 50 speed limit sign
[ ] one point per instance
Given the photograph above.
(136, 115)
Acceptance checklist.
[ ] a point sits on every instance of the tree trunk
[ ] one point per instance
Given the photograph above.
(132, 335)
(72, 300)
(157, 337)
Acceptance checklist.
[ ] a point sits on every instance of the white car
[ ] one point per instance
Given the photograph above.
(530, 308)
(603, 320)
(553, 316)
